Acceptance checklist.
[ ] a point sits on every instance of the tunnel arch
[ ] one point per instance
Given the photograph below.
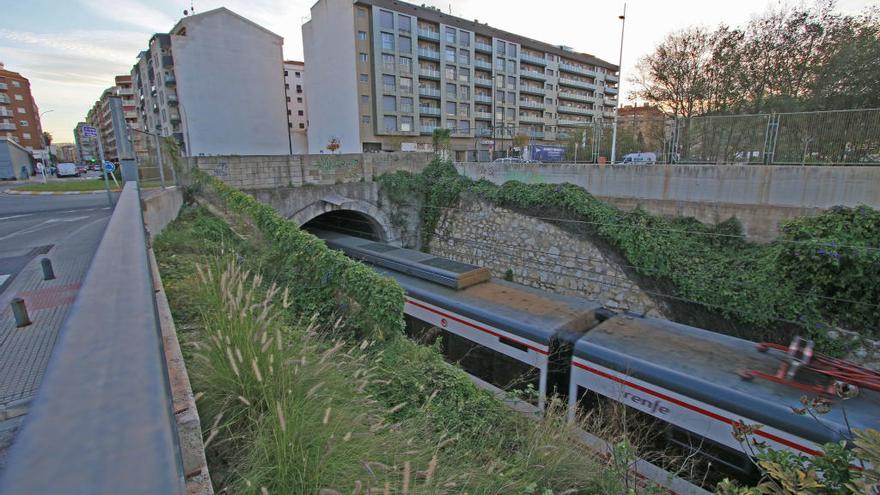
(349, 216)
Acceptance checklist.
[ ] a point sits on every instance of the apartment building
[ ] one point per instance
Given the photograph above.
(86, 147)
(297, 116)
(383, 74)
(214, 82)
(19, 115)
(65, 152)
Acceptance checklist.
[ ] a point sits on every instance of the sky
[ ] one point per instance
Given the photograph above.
(71, 49)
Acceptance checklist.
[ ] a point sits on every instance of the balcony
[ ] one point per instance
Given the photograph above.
(531, 104)
(573, 122)
(429, 92)
(7, 126)
(610, 91)
(482, 81)
(609, 114)
(425, 53)
(612, 78)
(4, 99)
(483, 98)
(483, 115)
(482, 64)
(533, 90)
(574, 96)
(427, 129)
(170, 80)
(576, 70)
(483, 47)
(532, 59)
(536, 134)
(537, 119)
(172, 99)
(428, 34)
(532, 74)
(612, 102)
(483, 131)
(429, 73)
(576, 84)
(575, 110)
(429, 110)
(5, 112)
(174, 118)
(4, 86)
(167, 61)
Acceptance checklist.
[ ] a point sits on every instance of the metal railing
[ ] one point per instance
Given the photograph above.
(102, 421)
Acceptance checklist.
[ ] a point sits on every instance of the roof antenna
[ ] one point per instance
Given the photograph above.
(191, 11)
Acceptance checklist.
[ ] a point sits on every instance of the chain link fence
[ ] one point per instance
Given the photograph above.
(156, 159)
(838, 137)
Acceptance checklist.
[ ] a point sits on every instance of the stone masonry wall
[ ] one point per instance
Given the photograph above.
(539, 254)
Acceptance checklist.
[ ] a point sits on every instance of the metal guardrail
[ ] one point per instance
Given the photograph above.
(102, 421)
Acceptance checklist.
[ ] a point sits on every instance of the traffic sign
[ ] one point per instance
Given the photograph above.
(109, 167)
(89, 131)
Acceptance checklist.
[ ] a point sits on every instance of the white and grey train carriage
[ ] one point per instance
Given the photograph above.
(688, 379)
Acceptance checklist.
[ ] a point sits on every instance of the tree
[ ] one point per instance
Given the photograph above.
(440, 139)
(47, 138)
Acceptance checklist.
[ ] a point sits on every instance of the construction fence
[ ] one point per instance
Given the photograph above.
(838, 137)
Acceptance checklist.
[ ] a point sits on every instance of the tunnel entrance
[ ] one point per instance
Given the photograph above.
(347, 222)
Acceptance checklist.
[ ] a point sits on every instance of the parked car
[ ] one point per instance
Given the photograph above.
(67, 170)
(510, 159)
(82, 169)
(640, 158)
(95, 167)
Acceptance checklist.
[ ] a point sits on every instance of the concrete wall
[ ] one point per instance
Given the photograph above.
(759, 196)
(12, 158)
(160, 208)
(230, 81)
(539, 254)
(331, 79)
(259, 171)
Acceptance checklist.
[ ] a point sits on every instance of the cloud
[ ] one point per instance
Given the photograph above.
(133, 13)
(109, 46)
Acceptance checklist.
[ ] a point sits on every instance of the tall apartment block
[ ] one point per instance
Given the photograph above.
(19, 115)
(383, 74)
(215, 83)
(297, 117)
(86, 147)
(101, 116)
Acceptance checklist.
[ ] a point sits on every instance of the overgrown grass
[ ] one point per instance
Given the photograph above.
(290, 405)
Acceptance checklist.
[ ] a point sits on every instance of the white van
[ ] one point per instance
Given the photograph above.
(67, 170)
(640, 158)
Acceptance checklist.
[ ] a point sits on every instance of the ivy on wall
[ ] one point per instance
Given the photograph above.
(821, 272)
(330, 284)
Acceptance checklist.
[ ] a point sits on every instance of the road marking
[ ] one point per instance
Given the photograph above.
(3, 278)
(72, 219)
(16, 216)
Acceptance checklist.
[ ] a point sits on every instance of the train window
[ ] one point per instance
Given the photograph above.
(502, 371)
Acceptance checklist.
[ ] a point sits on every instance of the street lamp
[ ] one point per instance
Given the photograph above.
(619, 77)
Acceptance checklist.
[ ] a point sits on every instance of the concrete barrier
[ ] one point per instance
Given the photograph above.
(160, 208)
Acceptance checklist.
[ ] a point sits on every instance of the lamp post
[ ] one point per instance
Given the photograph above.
(619, 74)
(47, 157)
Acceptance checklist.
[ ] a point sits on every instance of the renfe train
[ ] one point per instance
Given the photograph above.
(695, 383)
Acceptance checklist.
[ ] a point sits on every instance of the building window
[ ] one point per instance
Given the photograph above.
(464, 57)
(390, 122)
(450, 90)
(286, 86)
(297, 74)
(300, 113)
(464, 126)
(406, 124)
(406, 104)
(363, 56)
(450, 72)
(451, 108)
(499, 64)
(362, 35)
(499, 80)
(288, 99)
(302, 126)
(511, 114)
(387, 41)
(16, 84)
(389, 83)
(511, 50)
(451, 124)
(464, 110)
(386, 19)
(549, 87)
(406, 84)
(362, 12)
(464, 75)
(511, 66)
(549, 72)
(548, 101)
(450, 35)
(405, 44)
(389, 103)
(499, 96)
(464, 38)
(365, 119)
(405, 65)
(388, 62)
(289, 125)
(23, 123)
(299, 99)
(450, 54)
(285, 73)
(21, 110)
(289, 112)
(365, 99)
(18, 97)
(499, 47)
(26, 135)
(464, 92)
(404, 23)
(299, 88)
(365, 78)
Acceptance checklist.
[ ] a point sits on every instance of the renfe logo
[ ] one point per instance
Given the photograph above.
(653, 406)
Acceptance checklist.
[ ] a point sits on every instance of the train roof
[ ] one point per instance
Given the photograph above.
(705, 365)
(528, 313)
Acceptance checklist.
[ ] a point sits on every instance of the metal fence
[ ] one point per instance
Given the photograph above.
(837, 137)
(155, 160)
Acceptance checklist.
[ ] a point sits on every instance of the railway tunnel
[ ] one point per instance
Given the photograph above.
(345, 215)
(347, 222)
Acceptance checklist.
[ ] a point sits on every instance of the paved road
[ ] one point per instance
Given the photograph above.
(67, 230)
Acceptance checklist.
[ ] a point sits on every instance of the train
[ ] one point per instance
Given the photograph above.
(696, 384)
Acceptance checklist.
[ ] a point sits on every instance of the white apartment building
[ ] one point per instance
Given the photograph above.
(297, 115)
(215, 83)
(383, 74)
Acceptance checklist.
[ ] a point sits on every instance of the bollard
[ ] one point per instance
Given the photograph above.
(19, 311)
(48, 272)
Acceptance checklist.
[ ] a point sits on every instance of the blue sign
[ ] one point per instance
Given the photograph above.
(109, 167)
(89, 131)
(547, 153)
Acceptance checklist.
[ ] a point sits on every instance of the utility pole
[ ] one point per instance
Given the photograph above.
(619, 74)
